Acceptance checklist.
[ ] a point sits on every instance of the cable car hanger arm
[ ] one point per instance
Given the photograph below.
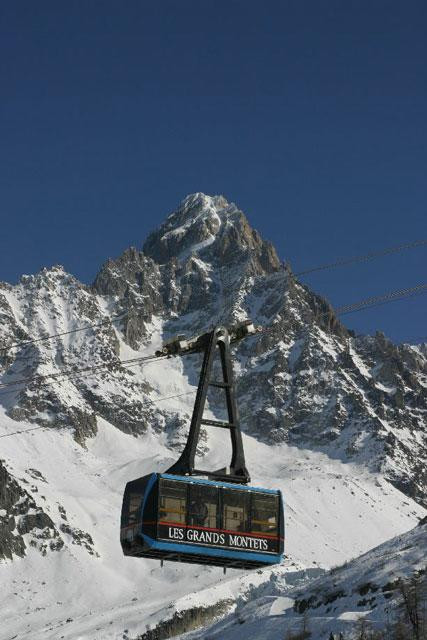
(217, 340)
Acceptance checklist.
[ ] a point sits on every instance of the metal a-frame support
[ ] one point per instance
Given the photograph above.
(213, 342)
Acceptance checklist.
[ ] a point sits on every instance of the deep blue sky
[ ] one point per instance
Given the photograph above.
(310, 115)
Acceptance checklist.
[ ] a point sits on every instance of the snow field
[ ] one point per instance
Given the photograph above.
(334, 512)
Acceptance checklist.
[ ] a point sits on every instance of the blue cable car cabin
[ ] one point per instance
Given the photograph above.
(171, 517)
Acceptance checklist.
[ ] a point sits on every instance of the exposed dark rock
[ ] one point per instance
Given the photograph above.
(32, 521)
(20, 515)
(186, 620)
(84, 425)
(80, 538)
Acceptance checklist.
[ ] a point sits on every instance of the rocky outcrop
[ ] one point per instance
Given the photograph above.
(186, 620)
(135, 281)
(22, 521)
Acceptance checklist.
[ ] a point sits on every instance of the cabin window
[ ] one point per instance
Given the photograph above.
(264, 514)
(172, 501)
(203, 506)
(134, 506)
(235, 510)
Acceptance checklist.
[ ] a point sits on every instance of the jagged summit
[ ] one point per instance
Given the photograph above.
(205, 249)
(49, 276)
(215, 229)
(192, 227)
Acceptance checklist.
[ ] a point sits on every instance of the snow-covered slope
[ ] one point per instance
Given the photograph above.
(366, 588)
(335, 511)
(336, 420)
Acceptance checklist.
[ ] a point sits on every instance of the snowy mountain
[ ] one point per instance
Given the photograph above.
(335, 420)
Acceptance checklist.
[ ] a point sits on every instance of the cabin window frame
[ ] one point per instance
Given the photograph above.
(159, 497)
(277, 508)
(202, 487)
(246, 517)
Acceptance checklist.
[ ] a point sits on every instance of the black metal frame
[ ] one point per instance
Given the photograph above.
(216, 340)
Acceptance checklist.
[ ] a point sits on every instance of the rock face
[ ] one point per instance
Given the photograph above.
(21, 517)
(307, 380)
(216, 230)
(187, 620)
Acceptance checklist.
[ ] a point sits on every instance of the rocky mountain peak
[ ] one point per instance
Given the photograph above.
(51, 278)
(199, 256)
(213, 228)
(194, 226)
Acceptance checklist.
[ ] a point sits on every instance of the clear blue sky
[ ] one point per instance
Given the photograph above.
(310, 115)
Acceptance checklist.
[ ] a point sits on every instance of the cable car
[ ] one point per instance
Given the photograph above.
(199, 516)
(173, 517)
